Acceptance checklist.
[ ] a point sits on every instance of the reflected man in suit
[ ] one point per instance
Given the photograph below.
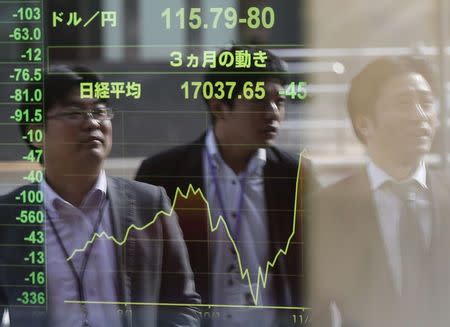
(379, 238)
(80, 200)
(251, 183)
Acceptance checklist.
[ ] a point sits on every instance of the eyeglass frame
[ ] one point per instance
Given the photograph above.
(86, 113)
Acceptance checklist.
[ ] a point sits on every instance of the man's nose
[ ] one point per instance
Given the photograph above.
(89, 121)
(272, 108)
(419, 112)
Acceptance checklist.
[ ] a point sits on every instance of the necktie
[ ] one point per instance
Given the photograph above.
(415, 279)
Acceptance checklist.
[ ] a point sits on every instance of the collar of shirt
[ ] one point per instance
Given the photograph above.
(96, 195)
(378, 176)
(255, 165)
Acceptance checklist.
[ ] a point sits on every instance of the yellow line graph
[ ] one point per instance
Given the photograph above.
(262, 274)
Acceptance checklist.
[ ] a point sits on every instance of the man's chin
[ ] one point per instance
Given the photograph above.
(268, 140)
(414, 153)
(94, 156)
(266, 143)
(421, 148)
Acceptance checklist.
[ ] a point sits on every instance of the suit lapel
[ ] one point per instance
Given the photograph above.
(441, 207)
(123, 214)
(190, 170)
(40, 316)
(193, 214)
(440, 242)
(362, 201)
(279, 197)
(276, 194)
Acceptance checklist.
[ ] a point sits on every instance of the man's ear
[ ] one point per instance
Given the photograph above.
(364, 126)
(218, 108)
(35, 128)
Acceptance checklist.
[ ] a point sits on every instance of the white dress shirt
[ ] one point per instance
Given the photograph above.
(252, 242)
(389, 206)
(75, 226)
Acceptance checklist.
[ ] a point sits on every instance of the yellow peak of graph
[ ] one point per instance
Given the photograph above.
(245, 274)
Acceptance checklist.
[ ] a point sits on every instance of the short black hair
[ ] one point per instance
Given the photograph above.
(365, 87)
(58, 82)
(273, 68)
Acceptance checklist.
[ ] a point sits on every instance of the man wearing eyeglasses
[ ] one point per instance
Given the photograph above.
(106, 280)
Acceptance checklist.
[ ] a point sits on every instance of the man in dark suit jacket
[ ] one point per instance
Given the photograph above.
(230, 163)
(367, 267)
(142, 279)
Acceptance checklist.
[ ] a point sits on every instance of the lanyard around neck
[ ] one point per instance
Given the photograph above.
(78, 276)
(235, 233)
